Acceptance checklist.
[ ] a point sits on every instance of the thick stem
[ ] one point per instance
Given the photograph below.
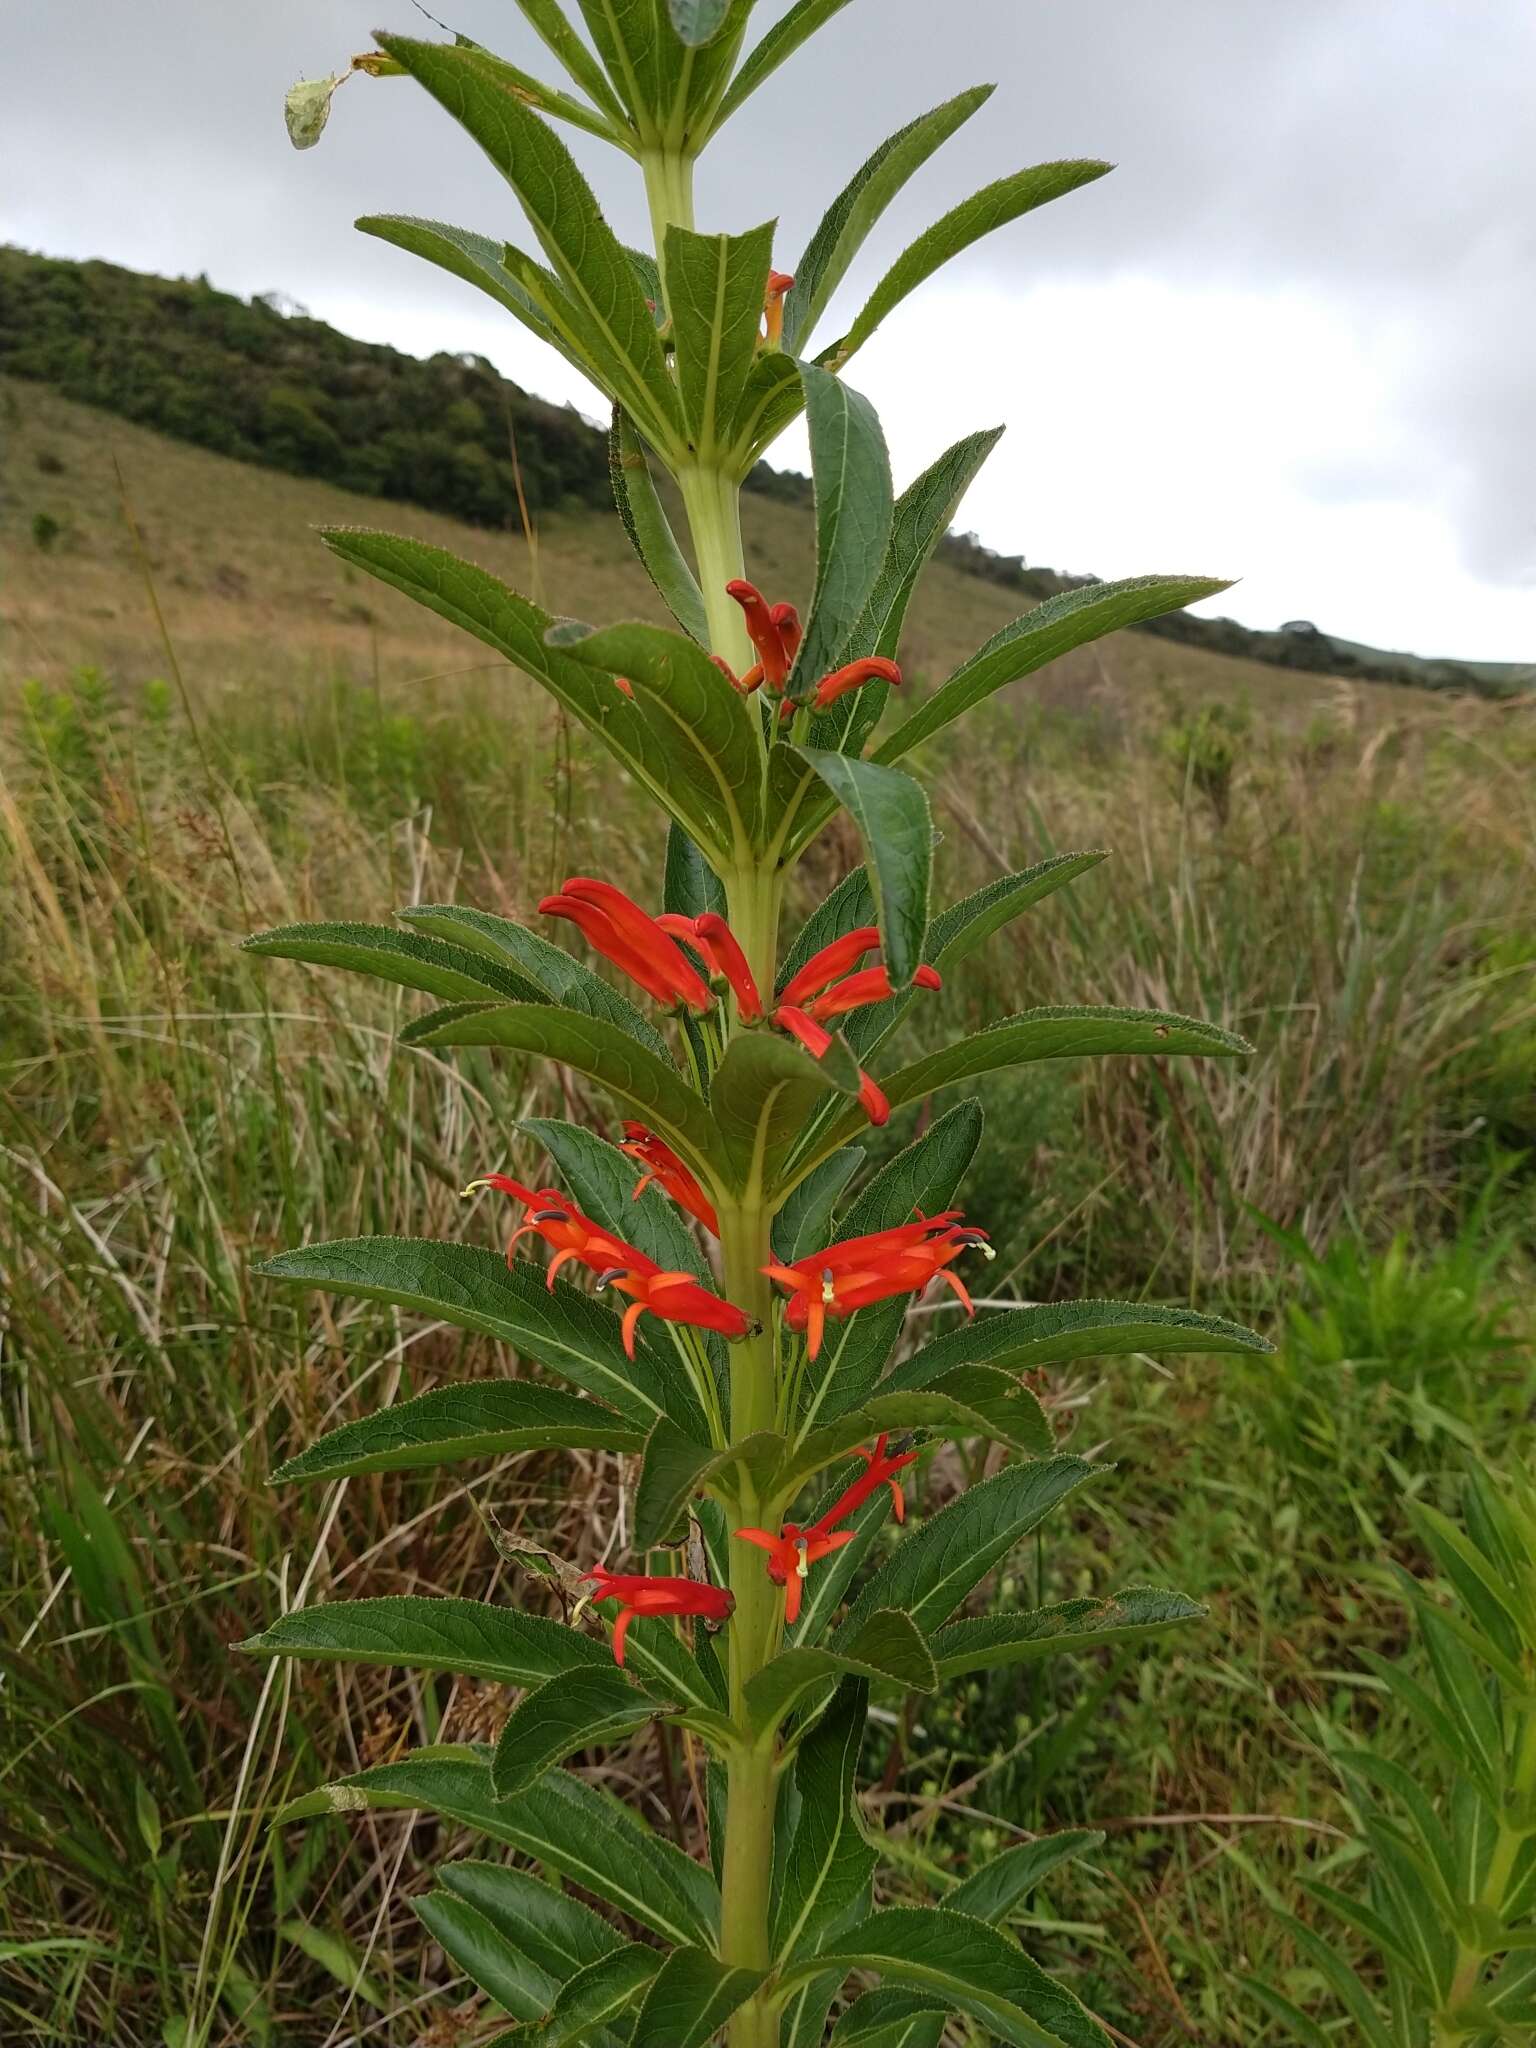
(712, 501)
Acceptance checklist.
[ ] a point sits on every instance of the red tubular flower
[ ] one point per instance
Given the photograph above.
(876, 669)
(668, 1171)
(869, 985)
(880, 1471)
(832, 961)
(764, 632)
(862, 1270)
(675, 1297)
(638, 1594)
(791, 633)
(634, 941)
(779, 282)
(817, 1041)
(568, 1233)
(729, 960)
(790, 1556)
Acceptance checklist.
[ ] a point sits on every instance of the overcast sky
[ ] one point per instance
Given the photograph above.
(1290, 339)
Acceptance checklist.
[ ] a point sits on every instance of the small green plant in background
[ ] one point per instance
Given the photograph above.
(1446, 1840)
(1205, 747)
(45, 531)
(750, 1282)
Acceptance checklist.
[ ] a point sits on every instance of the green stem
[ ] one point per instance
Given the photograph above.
(712, 501)
(1490, 1899)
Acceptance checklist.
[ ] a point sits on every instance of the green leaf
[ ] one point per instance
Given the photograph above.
(601, 1992)
(669, 87)
(573, 1710)
(677, 1467)
(923, 515)
(851, 904)
(993, 1639)
(896, 826)
(712, 746)
(650, 530)
(889, 2018)
(956, 933)
(804, 1222)
(470, 598)
(976, 1969)
(553, 1932)
(830, 1580)
(992, 1892)
(549, 23)
(975, 1401)
(481, 1419)
(633, 1076)
(829, 1863)
(764, 1091)
(992, 207)
(843, 227)
(486, 1956)
(565, 216)
(694, 1993)
(1052, 1333)
(715, 286)
(529, 91)
(453, 973)
(1052, 629)
(933, 1569)
(690, 885)
(553, 972)
(463, 1636)
(476, 1289)
(888, 1646)
(696, 21)
(851, 472)
(585, 1836)
(478, 260)
(781, 42)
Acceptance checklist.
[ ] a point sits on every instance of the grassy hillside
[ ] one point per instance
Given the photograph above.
(1344, 872)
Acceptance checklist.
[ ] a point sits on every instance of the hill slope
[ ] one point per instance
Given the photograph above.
(250, 596)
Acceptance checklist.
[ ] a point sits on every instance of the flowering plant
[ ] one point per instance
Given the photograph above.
(725, 1314)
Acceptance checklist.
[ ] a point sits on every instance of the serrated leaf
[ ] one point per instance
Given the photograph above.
(486, 1956)
(764, 1091)
(548, 22)
(992, 1892)
(782, 40)
(971, 1402)
(988, 1640)
(851, 475)
(851, 904)
(991, 208)
(676, 1467)
(554, 1931)
(1053, 1333)
(692, 1996)
(1052, 629)
(887, 1646)
(454, 974)
(975, 1968)
(956, 932)
(829, 1863)
(632, 1075)
(478, 260)
(937, 1564)
(467, 1637)
(649, 529)
(843, 227)
(588, 2001)
(715, 285)
(601, 1179)
(708, 725)
(896, 826)
(515, 628)
(668, 88)
(690, 885)
(566, 218)
(573, 1710)
(482, 1419)
(553, 971)
(475, 1289)
(891, 2018)
(585, 1835)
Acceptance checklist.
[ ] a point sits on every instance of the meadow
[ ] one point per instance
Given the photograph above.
(205, 728)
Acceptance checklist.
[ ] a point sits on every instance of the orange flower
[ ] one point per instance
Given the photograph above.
(874, 669)
(880, 1471)
(779, 282)
(675, 1297)
(637, 1593)
(668, 1171)
(859, 1271)
(717, 946)
(765, 629)
(635, 942)
(790, 1556)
